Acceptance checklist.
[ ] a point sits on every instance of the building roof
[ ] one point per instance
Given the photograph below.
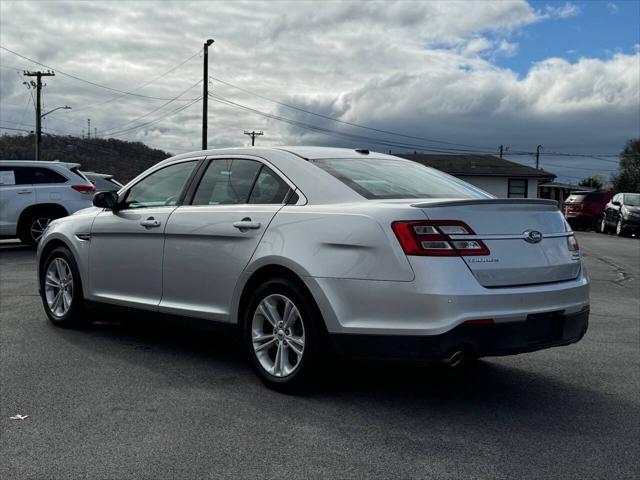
(477, 165)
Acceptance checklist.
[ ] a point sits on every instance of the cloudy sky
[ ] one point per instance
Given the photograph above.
(437, 76)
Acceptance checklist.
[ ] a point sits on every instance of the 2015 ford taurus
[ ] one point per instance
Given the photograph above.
(306, 247)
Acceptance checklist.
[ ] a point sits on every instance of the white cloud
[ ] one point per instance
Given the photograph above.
(564, 11)
(613, 8)
(424, 69)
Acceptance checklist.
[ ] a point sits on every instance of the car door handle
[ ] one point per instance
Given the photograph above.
(22, 192)
(246, 224)
(150, 223)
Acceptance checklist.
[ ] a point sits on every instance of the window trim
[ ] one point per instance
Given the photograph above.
(526, 187)
(190, 195)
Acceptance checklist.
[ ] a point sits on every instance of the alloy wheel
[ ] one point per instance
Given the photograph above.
(58, 287)
(278, 335)
(38, 227)
(619, 227)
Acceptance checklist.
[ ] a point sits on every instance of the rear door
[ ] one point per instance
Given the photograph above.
(16, 194)
(210, 242)
(527, 240)
(125, 256)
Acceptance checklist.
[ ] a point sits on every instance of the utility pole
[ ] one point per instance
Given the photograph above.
(88, 128)
(38, 86)
(501, 148)
(253, 134)
(538, 148)
(205, 92)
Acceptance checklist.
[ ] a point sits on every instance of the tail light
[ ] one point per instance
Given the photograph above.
(437, 238)
(572, 244)
(84, 188)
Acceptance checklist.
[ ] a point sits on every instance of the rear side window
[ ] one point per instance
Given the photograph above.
(268, 188)
(586, 197)
(227, 182)
(375, 178)
(632, 199)
(30, 176)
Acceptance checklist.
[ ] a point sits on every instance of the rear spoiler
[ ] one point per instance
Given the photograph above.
(489, 201)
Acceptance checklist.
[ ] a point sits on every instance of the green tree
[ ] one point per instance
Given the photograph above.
(595, 181)
(628, 177)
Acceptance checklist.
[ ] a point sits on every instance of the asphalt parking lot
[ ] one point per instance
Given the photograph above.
(142, 399)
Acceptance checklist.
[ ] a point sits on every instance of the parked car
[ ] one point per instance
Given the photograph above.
(305, 250)
(622, 214)
(103, 181)
(32, 193)
(584, 209)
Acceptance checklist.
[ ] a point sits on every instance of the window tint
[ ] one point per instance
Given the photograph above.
(632, 199)
(161, 188)
(383, 178)
(269, 188)
(32, 175)
(226, 182)
(517, 188)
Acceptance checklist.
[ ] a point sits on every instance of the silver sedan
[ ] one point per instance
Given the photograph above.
(307, 251)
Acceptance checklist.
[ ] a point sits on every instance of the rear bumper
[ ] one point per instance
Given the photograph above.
(483, 340)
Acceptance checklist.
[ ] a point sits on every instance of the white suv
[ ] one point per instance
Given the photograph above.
(32, 193)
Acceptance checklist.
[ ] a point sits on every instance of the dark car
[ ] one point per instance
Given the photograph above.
(584, 209)
(103, 181)
(622, 214)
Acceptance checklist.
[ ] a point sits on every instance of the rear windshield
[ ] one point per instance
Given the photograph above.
(585, 197)
(375, 178)
(632, 199)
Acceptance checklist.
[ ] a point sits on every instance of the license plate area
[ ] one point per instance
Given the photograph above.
(545, 327)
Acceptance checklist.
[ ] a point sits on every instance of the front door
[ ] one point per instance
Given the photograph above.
(126, 247)
(210, 242)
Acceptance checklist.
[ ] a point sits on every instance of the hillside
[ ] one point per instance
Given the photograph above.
(123, 159)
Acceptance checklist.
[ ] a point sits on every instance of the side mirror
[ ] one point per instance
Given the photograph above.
(106, 200)
(616, 203)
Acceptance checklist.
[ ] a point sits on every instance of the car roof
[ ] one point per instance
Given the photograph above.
(39, 163)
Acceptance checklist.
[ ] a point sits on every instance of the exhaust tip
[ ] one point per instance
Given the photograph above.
(457, 358)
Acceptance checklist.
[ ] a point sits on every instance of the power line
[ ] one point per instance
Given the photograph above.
(75, 77)
(152, 111)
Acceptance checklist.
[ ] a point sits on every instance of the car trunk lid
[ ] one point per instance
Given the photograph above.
(527, 239)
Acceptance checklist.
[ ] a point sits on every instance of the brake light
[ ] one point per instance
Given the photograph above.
(572, 244)
(437, 238)
(83, 188)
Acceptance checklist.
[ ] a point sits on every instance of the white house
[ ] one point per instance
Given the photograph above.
(497, 176)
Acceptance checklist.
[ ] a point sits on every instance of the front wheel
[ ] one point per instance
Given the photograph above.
(282, 334)
(602, 225)
(620, 230)
(61, 290)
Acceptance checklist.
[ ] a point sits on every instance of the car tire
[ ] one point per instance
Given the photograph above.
(61, 289)
(602, 225)
(284, 356)
(620, 230)
(34, 225)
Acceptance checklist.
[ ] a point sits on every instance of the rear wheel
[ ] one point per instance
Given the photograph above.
(61, 290)
(282, 335)
(34, 225)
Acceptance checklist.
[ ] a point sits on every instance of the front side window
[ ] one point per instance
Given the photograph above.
(518, 188)
(375, 178)
(632, 199)
(162, 188)
(227, 182)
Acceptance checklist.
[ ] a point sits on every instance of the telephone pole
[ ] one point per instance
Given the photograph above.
(38, 86)
(538, 148)
(205, 92)
(88, 128)
(501, 148)
(253, 134)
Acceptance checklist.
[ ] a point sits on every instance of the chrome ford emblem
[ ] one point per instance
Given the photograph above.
(532, 236)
